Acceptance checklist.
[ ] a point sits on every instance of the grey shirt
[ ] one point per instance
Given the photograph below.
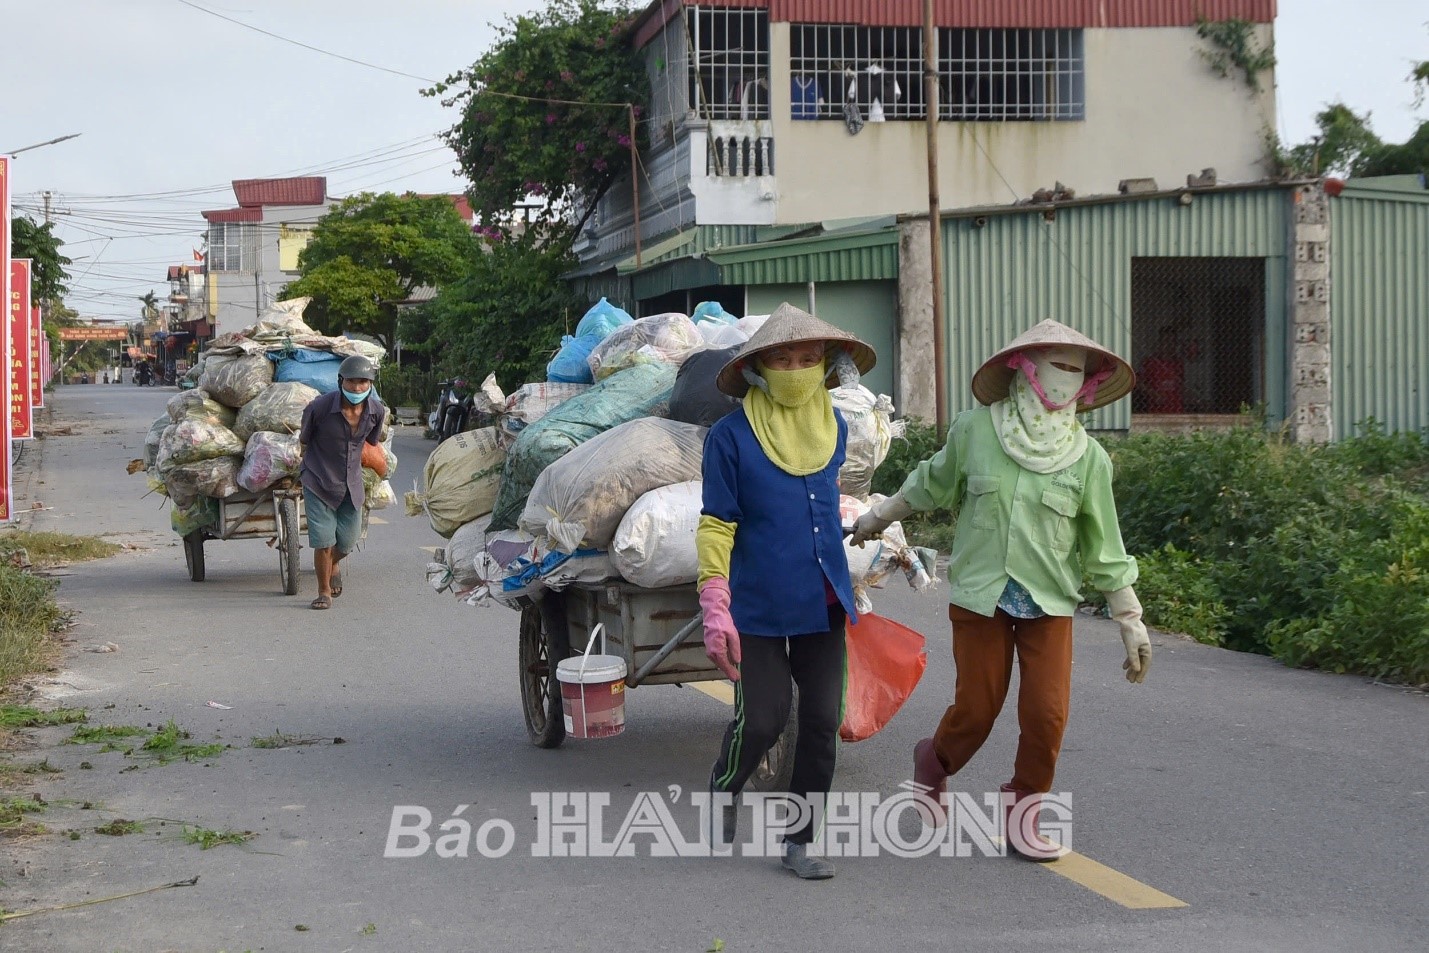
(332, 450)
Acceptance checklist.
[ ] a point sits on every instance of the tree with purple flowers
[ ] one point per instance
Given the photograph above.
(543, 115)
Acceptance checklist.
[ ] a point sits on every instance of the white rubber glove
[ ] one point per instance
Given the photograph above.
(880, 516)
(1126, 610)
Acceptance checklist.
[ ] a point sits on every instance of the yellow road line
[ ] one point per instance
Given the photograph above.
(1078, 868)
(1112, 884)
(719, 691)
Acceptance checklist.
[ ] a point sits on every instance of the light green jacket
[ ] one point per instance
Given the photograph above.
(1042, 529)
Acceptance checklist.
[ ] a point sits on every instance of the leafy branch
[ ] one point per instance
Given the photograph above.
(1235, 47)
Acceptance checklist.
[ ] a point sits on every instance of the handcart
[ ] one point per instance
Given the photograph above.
(658, 632)
(275, 514)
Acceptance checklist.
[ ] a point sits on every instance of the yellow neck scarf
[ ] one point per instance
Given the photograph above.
(794, 421)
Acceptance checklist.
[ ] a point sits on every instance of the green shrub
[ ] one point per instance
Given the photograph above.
(1178, 594)
(919, 442)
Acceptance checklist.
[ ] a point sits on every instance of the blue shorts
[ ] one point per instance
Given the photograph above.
(328, 527)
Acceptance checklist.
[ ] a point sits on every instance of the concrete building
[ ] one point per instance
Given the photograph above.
(788, 113)
(252, 250)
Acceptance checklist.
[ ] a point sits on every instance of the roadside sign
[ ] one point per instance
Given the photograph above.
(21, 392)
(6, 495)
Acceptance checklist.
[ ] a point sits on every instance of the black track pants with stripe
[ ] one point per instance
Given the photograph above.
(769, 669)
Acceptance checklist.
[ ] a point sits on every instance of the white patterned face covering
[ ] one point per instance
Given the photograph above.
(1037, 422)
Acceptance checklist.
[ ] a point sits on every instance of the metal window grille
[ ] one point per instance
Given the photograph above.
(1197, 334)
(1011, 74)
(730, 48)
(232, 246)
(878, 69)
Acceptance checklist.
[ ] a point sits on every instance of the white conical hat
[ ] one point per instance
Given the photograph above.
(992, 380)
(789, 325)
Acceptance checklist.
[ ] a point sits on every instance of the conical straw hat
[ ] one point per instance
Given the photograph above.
(992, 380)
(789, 325)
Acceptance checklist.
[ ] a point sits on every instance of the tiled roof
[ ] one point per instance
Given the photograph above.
(463, 207)
(1096, 14)
(235, 215)
(300, 190)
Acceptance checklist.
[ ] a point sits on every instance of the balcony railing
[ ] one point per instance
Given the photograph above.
(739, 149)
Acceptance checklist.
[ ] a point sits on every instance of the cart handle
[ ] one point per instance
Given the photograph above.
(599, 630)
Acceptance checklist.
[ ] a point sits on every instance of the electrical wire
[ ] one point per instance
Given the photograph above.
(315, 49)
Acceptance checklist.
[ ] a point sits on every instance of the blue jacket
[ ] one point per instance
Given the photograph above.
(788, 541)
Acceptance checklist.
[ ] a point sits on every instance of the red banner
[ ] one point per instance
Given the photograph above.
(18, 355)
(6, 497)
(37, 379)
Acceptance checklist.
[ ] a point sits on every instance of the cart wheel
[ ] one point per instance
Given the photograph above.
(193, 554)
(540, 692)
(776, 768)
(288, 544)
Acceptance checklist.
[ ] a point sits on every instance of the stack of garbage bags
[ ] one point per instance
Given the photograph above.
(236, 428)
(594, 474)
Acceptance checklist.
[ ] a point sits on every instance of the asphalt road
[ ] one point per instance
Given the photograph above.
(1228, 804)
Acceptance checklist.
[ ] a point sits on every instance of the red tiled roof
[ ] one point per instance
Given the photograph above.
(977, 13)
(463, 207)
(235, 215)
(300, 190)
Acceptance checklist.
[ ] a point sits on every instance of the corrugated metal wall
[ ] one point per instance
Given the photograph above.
(1379, 312)
(1015, 270)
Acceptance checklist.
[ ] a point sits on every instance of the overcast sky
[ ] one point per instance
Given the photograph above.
(174, 102)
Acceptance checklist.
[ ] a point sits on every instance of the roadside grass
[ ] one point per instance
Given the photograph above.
(119, 827)
(47, 550)
(29, 615)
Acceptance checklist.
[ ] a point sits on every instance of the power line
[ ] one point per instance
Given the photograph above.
(276, 36)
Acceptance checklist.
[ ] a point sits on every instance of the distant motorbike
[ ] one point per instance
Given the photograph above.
(144, 376)
(453, 409)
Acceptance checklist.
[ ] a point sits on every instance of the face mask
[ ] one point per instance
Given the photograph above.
(1056, 388)
(794, 388)
(353, 397)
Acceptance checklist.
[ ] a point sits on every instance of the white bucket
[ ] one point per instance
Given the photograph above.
(593, 692)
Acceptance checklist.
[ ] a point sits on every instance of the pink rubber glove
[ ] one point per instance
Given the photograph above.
(721, 637)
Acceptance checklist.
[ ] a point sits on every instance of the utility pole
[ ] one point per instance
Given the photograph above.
(935, 218)
(45, 302)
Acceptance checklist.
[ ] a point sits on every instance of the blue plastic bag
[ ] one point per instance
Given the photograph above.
(317, 369)
(570, 366)
(712, 311)
(600, 320)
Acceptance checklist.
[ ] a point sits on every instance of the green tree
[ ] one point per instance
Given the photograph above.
(29, 239)
(506, 316)
(371, 252)
(542, 114)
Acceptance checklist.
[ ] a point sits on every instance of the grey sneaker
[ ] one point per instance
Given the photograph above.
(797, 859)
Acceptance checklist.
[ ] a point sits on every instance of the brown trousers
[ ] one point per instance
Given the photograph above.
(983, 649)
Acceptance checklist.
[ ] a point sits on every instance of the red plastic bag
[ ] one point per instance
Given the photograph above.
(885, 661)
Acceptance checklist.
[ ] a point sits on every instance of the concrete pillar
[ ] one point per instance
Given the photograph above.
(914, 375)
(1310, 399)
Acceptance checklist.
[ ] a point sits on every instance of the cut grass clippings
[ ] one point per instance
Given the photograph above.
(13, 811)
(119, 827)
(167, 744)
(22, 716)
(207, 838)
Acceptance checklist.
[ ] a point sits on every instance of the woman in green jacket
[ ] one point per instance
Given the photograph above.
(1033, 494)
